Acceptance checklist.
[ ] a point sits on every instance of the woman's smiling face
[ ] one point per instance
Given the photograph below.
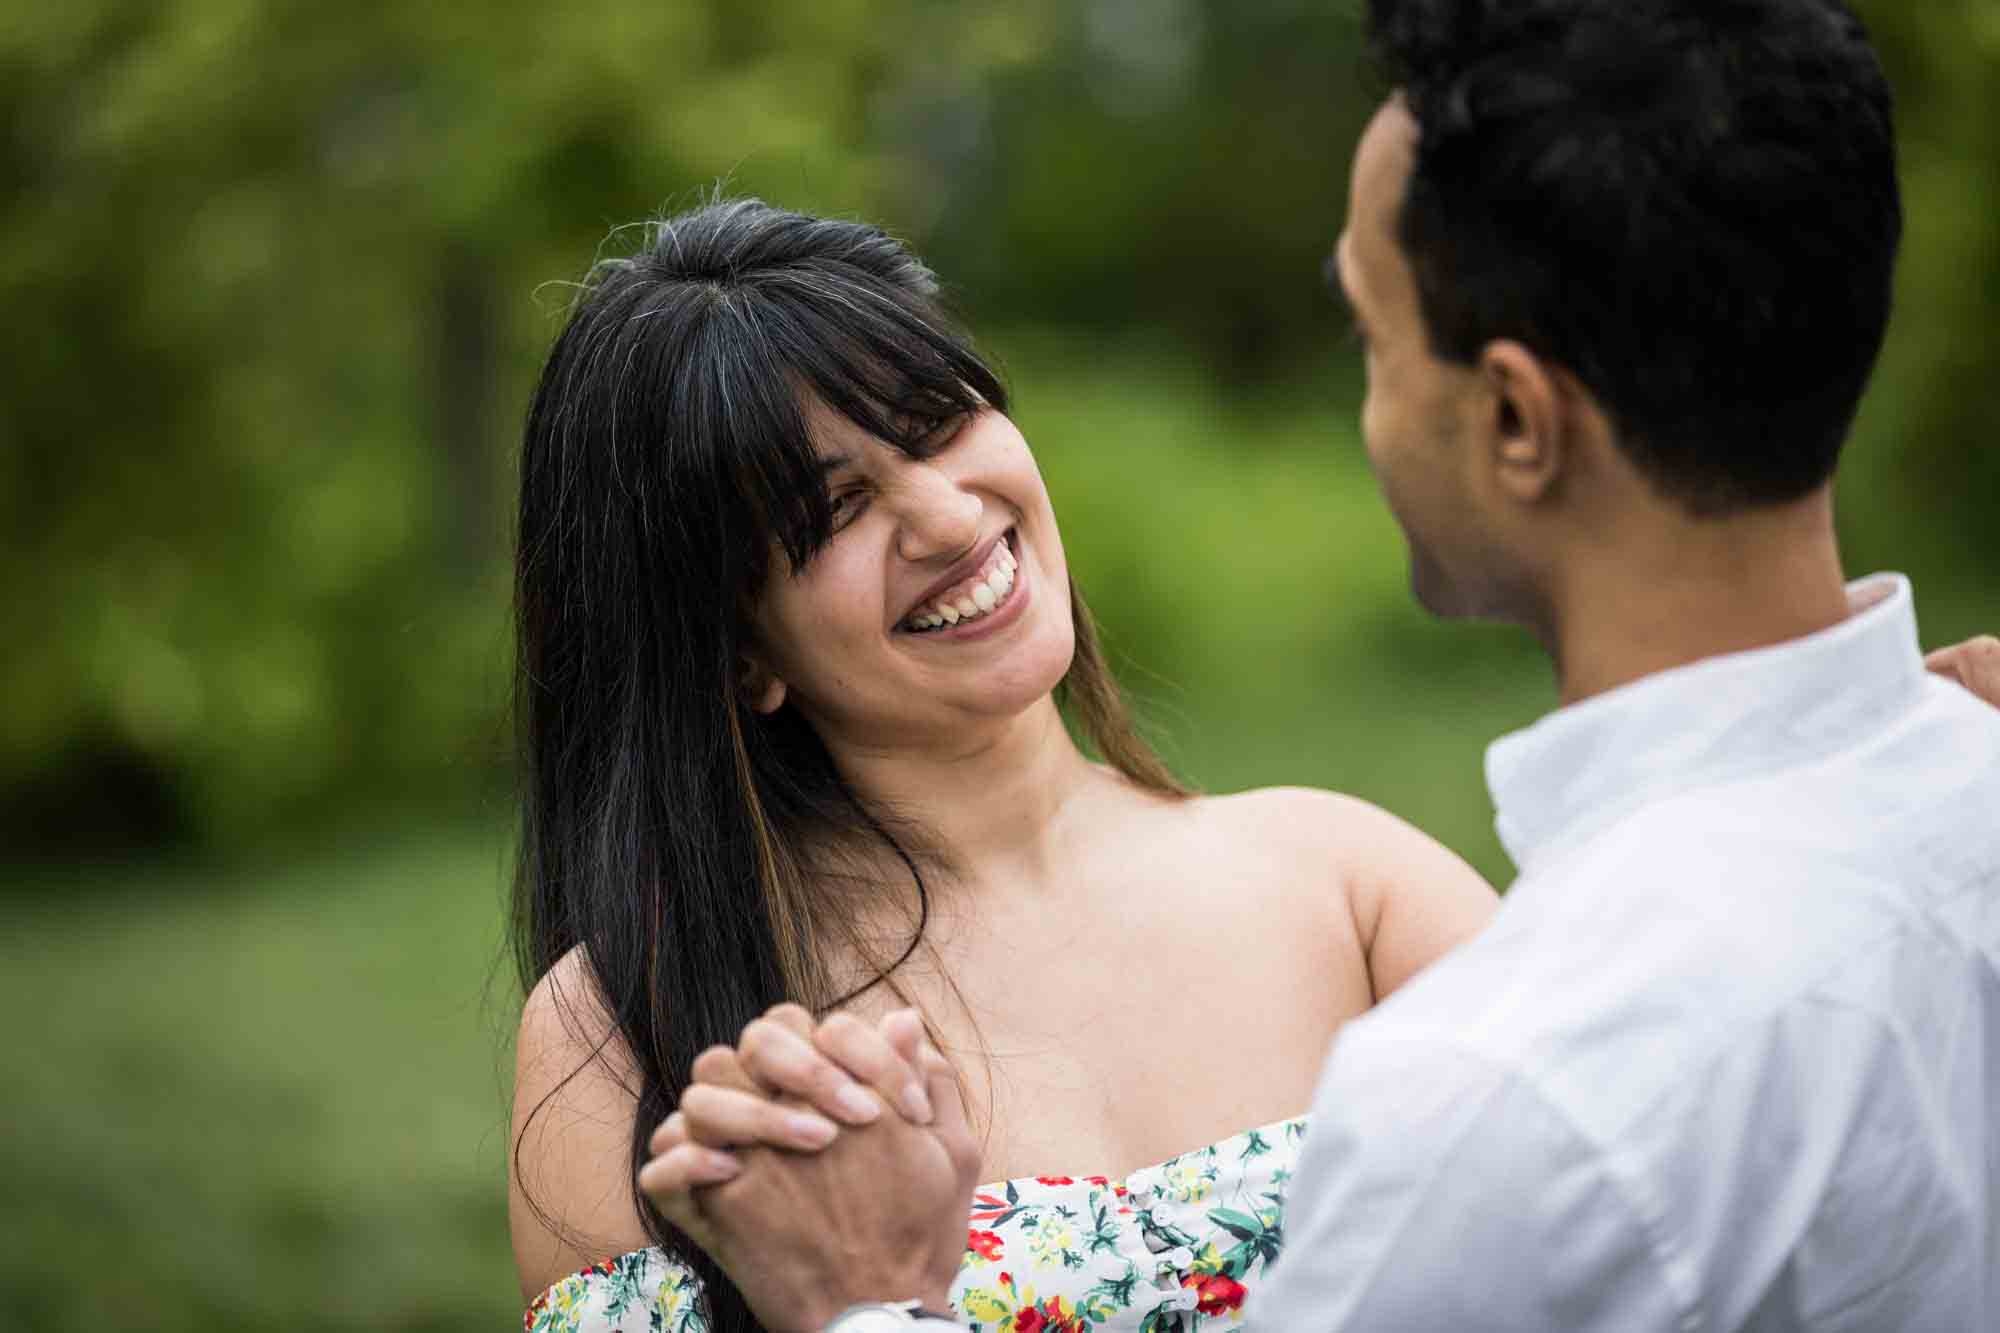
(941, 600)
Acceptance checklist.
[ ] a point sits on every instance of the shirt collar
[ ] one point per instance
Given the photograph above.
(1712, 720)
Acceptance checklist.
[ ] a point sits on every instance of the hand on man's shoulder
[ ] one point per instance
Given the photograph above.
(1974, 664)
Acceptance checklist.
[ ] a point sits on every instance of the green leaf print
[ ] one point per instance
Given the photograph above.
(1119, 1291)
(1103, 1229)
(1240, 1225)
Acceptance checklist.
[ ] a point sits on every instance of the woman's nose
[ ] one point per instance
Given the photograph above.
(938, 517)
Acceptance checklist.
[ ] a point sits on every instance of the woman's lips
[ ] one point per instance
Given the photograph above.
(986, 595)
(974, 566)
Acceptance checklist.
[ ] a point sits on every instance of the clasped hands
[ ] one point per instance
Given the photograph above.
(821, 1165)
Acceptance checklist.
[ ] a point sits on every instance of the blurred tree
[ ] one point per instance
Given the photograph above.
(277, 280)
(1939, 389)
(267, 262)
(1173, 165)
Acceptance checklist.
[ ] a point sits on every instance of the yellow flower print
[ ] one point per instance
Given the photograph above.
(1187, 1183)
(983, 1304)
(1050, 1242)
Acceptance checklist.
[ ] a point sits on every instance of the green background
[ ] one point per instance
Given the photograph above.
(276, 279)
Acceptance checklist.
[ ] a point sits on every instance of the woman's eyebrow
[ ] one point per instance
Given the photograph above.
(832, 463)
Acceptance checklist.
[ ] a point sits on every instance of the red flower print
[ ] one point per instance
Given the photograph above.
(1055, 1180)
(1216, 1293)
(1048, 1316)
(1099, 1181)
(985, 1244)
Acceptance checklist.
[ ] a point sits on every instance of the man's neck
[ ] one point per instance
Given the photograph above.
(1675, 591)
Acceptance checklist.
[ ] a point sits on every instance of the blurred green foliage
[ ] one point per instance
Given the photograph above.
(279, 276)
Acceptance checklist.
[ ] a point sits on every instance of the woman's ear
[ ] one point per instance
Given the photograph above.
(762, 688)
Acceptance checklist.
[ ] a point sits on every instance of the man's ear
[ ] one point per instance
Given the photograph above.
(1529, 431)
(762, 688)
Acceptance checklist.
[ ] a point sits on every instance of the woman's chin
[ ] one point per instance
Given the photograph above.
(1020, 684)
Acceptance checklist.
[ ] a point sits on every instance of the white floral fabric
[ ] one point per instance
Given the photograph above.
(1172, 1248)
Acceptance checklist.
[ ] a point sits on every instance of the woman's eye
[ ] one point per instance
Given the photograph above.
(846, 505)
(922, 435)
(943, 433)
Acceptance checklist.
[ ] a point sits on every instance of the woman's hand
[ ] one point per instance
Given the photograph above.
(790, 1084)
(878, 1215)
(843, 1066)
(1975, 664)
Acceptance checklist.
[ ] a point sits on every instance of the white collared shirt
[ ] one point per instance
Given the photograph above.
(1728, 1057)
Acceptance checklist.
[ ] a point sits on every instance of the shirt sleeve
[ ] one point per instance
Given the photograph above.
(646, 1291)
(1440, 1191)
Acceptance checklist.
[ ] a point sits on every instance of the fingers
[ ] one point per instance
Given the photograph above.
(671, 1133)
(787, 1062)
(1944, 662)
(731, 1118)
(671, 1178)
(864, 1052)
(904, 1031)
(680, 1166)
(951, 1124)
(1975, 664)
(723, 1067)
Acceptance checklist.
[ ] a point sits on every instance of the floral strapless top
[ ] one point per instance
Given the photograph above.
(1171, 1248)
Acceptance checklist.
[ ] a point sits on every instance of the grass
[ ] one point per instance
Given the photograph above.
(266, 1098)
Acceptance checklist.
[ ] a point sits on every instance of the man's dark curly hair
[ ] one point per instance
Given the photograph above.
(1690, 204)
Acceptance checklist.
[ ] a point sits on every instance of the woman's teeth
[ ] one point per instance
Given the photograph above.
(975, 597)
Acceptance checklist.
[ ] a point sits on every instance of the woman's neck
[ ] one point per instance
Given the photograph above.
(997, 801)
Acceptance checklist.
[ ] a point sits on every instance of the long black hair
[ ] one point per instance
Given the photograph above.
(675, 837)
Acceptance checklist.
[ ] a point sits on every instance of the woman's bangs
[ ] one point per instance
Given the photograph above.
(891, 366)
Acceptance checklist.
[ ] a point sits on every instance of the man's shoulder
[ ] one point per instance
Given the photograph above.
(1608, 989)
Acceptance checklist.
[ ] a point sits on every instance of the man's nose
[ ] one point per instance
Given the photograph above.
(937, 516)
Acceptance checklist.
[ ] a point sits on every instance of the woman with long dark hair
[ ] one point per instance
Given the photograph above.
(796, 646)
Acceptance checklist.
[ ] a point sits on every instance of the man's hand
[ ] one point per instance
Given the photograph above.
(812, 1069)
(879, 1215)
(1974, 664)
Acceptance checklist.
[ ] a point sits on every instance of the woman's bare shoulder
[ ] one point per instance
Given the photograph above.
(1326, 827)
(1352, 833)
(576, 1093)
(1297, 842)
(1410, 897)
